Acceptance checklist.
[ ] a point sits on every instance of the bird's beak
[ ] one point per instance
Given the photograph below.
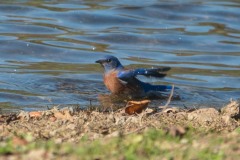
(100, 61)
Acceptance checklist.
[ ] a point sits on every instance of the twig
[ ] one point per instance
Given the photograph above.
(169, 99)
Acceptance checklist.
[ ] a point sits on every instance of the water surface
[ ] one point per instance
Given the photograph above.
(48, 49)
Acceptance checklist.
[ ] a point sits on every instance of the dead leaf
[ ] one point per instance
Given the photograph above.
(35, 114)
(136, 106)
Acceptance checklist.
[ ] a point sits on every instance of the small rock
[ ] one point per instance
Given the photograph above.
(150, 111)
(232, 109)
(171, 110)
(203, 115)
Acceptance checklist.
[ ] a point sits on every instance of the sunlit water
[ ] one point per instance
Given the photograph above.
(48, 49)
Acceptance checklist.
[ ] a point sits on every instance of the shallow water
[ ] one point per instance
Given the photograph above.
(48, 49)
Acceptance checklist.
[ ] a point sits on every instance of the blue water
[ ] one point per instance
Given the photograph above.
(48, 49)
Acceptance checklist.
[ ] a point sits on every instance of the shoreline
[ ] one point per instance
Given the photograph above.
(71, 126)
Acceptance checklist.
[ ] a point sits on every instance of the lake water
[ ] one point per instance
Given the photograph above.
(48, 49)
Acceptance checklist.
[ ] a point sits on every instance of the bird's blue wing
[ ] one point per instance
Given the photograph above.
(129, 76)
(153, 72)
(126, 75)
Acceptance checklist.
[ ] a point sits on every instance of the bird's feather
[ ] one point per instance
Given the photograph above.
(126, 75)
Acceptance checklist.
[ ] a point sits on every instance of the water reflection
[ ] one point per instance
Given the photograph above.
(48, 48)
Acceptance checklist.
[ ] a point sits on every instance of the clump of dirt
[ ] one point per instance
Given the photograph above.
(69, 125)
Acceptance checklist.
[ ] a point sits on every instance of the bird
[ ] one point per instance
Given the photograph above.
(122, 81)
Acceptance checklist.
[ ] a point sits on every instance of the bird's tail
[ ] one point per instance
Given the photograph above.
(148, 87)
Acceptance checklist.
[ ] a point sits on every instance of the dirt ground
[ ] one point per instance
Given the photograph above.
(71, 125)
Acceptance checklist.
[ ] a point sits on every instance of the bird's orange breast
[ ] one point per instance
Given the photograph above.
(113, 83)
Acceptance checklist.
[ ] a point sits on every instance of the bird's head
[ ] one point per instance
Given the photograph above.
(110, 63)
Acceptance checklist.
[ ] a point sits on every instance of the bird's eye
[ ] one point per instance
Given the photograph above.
(109, 60)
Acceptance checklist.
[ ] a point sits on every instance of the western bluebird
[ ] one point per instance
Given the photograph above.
(119, 80)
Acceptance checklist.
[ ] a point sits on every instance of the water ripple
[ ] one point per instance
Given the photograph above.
(48, 48)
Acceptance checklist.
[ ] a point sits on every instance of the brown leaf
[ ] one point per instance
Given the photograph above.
(136, 106)
(35, 114)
